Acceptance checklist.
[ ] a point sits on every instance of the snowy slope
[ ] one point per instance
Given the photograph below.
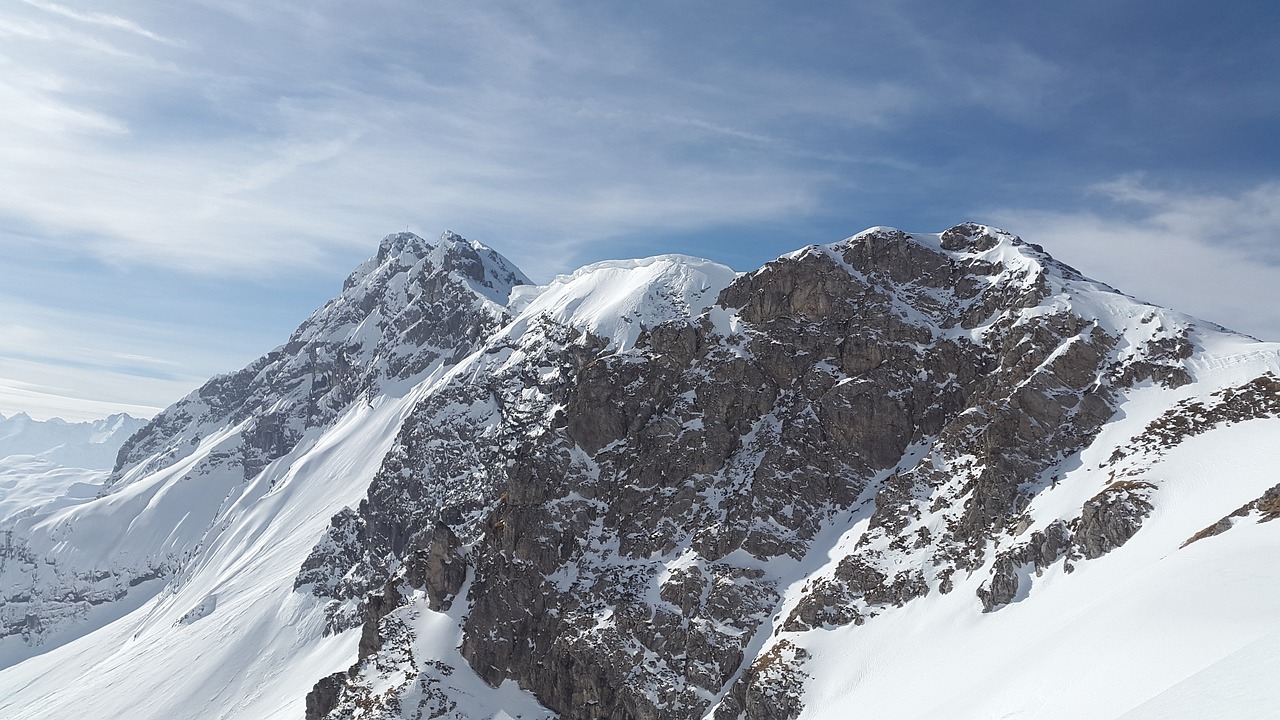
(88, 550)
(1114, 634)
(900, 475)
(615, 299)
(230, 620)
(91, 445)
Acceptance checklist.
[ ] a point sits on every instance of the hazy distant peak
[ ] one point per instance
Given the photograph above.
(90, 444)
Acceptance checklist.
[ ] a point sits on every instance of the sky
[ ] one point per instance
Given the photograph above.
(184, 182)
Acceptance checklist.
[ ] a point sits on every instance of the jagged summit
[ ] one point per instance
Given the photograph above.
(411, 306)
(482, 267)
(397, 244)
(659, 488)
(970, 243)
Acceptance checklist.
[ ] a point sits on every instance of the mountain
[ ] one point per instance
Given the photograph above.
(901, 475)
(179, 480)
(52, 463)
(91, 445)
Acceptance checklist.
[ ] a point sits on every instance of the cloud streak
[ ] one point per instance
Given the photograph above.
(99, 19)
(1213, 255)
(259, 150)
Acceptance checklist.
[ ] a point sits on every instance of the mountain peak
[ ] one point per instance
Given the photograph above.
(397, 244)
(727, 474)
(975, 237)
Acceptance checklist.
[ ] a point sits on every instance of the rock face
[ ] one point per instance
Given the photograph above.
(415, 307)
(642, 490)
(626, 505)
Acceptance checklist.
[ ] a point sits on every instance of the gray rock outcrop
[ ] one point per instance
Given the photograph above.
(617, 506)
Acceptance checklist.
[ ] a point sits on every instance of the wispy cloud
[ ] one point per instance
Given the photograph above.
(330, 157)
(67, 357)
(219, 142)
(559, 126)
(1213, 255)
(49, 401)
(99, 19)
(1247, 221)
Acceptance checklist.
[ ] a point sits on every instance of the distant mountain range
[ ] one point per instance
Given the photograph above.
(896, 476)
(90, 445)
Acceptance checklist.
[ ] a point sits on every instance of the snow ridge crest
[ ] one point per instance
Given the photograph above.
(658, 482)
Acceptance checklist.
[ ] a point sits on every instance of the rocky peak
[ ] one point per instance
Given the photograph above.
(411, 310)
(398, 244)
(484, 270)
(924, 383)
(411, 307)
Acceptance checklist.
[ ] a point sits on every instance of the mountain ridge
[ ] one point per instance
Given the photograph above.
(659, 488)
(90, 444)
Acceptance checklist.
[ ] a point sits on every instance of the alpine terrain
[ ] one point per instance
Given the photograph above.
(897, 476)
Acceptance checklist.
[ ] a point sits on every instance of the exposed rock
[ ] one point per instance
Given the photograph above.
(1111, 517)
(435, 564)
(1042, 549)
(770, 688)
(1266, 508)
(377, 607)
(324, 697)
(857, 591)
(1256, 399)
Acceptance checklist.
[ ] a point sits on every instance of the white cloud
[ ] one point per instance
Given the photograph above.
(1248, 221)
(43, 402)
(96, 18)
(1214, 256)
(76, 364)
(330, 161)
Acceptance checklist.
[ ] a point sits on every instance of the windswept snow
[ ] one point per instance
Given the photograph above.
(616, 299)
(254, 650)
(1127, 630)
(206, 622)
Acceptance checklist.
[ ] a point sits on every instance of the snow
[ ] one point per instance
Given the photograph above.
(616, 299)
(92, 444)
(1150, 613)
(1242, 684)
(33, 485)
(1151, 630)
(247, 644)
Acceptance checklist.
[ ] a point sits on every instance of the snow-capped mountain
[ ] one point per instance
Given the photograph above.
(91, 445)
(901, 475)
(51, 463)
(401, 315)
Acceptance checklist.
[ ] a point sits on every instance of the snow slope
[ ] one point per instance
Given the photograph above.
(185, 561)
(1138, 628)
(180, 567)
(244, 642)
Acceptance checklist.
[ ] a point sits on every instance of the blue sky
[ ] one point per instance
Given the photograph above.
(185, 181)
